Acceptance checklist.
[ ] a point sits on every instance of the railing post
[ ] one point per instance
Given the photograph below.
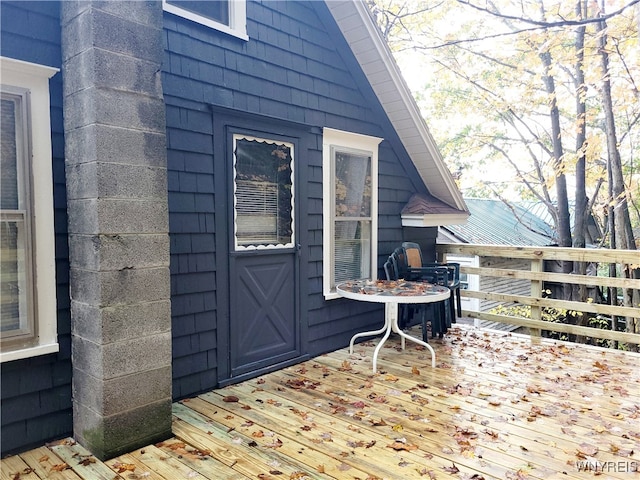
(537, 265)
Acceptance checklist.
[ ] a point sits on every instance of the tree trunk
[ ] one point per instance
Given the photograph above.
(622, 222)
(581, 214)
(563, 225)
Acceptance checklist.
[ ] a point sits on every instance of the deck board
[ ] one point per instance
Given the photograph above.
(497, 406)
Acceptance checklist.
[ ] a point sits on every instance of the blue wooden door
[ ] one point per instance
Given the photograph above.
(264, 327)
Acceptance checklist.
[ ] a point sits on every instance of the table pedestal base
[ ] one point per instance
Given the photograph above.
(391, 325)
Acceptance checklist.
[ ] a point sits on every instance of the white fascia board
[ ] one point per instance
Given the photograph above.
(434, 220)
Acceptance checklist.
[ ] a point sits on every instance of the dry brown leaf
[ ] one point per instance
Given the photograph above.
(44, 458)
(60, 467)
(277, 443)
(451, 469)
(124, 467)
(298, 476)
(399, 446)
(346, 366)
(415, 371)
(176, 445)
(600, 365)
(230, 399)
(586, 450)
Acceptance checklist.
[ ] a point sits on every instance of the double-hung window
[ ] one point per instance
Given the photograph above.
(350, 207)
(229, 16)
(27, 254)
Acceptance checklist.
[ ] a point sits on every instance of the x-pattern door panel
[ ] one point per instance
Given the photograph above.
(264, 321)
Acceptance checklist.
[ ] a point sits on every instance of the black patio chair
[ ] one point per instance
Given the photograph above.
(438, 311)
(413, 254)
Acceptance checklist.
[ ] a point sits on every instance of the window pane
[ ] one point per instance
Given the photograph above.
(14, 251)
(8, 155)
(217, 10)
(353, 185)
(263, 192)
(13, 277)
(352, 250)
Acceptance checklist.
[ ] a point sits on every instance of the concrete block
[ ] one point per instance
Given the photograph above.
(115, 324)
(119, 359)
(89, 389)
(93, 143)
(147, 12)
(120, 287)
(137, 355)
(137, 390)
(87, 356)
(116, 216)
(115, 108)
(120, 394)
(108, 437)
(89, 28)
(116, 180)
(102, 69)
(116, 252)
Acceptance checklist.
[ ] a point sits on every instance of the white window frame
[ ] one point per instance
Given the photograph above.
(33, 80)
(262, 246)
(340, 140)
(237, 18)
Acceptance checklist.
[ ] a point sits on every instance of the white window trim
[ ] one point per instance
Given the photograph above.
(271, 246)
(35, 78)
(354, 141)
(237, 18)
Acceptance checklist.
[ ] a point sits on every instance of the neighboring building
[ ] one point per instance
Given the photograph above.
(493, 223)
(207, 173)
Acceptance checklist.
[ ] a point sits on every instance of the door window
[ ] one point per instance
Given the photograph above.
(263, 193)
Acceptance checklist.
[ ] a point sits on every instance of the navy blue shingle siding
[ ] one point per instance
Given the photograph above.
(36, 392)
(294, 67)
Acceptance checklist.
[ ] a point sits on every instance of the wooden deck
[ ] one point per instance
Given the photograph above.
(496, 406)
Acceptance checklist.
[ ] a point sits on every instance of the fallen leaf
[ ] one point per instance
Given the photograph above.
(378, 423)
(124, 467)
(230, 399)
(277, 443)
(399, 446)
(60, 467)
(586, 450)
(87, 461)
(346, 366)
(415, 371)
(451, 469)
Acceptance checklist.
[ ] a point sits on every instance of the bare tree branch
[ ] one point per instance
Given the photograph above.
(547, 24)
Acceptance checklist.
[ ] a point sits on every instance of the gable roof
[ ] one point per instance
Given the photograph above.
(374, 56)
(494, 223)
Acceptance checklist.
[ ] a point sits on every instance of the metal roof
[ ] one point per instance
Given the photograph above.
(493, 223)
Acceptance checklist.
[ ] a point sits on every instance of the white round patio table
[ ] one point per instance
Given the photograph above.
(392, 293)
